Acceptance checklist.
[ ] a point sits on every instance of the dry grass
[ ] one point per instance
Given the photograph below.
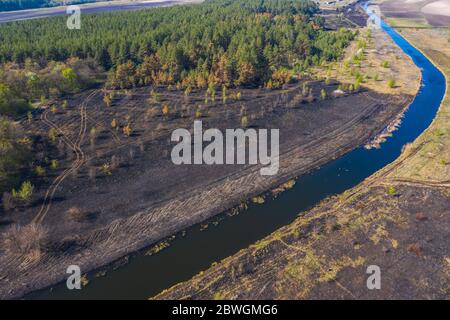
(77, 214)
(24, 240)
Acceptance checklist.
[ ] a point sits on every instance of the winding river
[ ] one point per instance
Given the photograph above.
(145, 276)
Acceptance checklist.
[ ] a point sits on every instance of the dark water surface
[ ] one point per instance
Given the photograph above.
(146, 276)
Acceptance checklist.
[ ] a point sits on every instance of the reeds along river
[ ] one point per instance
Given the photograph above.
(145, 276)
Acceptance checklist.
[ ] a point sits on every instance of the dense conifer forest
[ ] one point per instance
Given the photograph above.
(225, 42)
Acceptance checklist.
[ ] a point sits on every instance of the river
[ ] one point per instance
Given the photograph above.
(145, 276)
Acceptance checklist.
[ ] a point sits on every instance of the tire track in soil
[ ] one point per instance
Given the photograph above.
(76, 147)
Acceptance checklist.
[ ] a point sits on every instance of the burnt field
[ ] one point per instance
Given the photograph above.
(325, 254)
(115, 189)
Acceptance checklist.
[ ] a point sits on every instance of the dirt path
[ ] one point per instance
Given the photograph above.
(75, 146)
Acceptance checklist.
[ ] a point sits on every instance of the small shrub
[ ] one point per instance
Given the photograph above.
(40, 171)
(77, 214)
(127, 130)
(154, 95)
(351, 88)
(24, 240)
(54, 164)
(188, 91)
(415, 248)
(52, 134)
(392, 191)
(244, 121)
(24, 193)
(107, 100)
(106, 169)
(93, 133)
(386, 64)
(198, 113)
(391, 83)
(357, 85)
(165, 110)
(29, 117)
(114, 123)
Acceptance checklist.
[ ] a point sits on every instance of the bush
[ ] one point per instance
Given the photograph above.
(77, 214)
(24, 193)
(114, 123)
(244, 121)
(40, 171)
(54, 164)
(107, 100)
(127, 130)
(165, 110)
(24, 240)
(392, 84)
(53, 134)
(392, 191)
